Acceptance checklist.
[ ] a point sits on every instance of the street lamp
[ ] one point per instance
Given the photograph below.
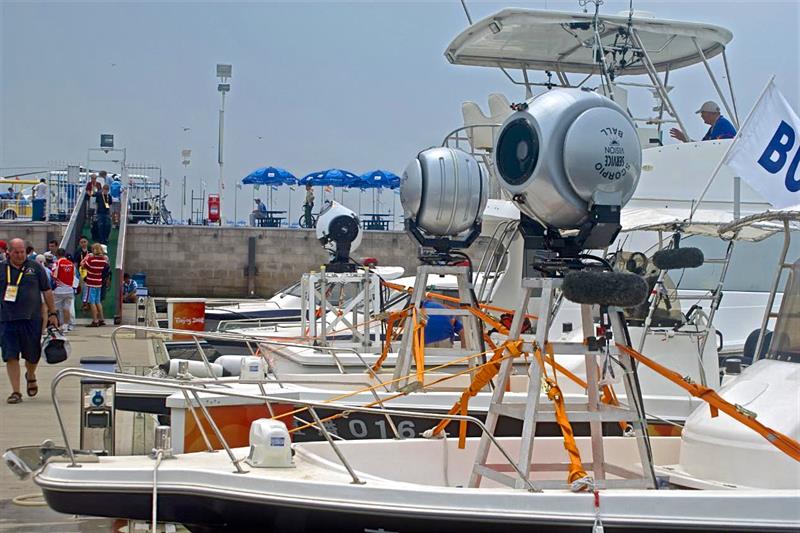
(224, 75)
(186, 156)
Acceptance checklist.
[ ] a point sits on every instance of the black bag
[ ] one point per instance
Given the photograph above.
(55, 346)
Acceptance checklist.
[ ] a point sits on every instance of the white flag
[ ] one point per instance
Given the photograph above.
(766, 152)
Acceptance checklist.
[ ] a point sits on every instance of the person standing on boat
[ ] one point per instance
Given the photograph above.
(103, 201)
(23, 284)
(720, 127)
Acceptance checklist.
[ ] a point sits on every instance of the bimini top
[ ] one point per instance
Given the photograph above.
(708, 222)
(552, 40)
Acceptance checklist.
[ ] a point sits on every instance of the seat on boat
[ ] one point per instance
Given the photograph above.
(483, 138)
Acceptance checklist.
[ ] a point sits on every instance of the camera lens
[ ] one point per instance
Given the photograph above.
(517, 152)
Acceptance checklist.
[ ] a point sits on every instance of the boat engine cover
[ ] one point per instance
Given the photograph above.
(270, 445)
(566, 151)
(444, 191)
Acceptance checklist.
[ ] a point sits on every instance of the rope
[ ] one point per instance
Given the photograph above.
(29, 500)
(716, 403)
(154, 521)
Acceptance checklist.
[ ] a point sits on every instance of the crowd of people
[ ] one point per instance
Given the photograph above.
(103, 210)
(39, 290)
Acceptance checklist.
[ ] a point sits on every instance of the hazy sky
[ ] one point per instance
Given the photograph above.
(315, 85)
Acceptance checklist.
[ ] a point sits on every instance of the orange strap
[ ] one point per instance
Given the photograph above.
(554, 394)
(784, 443)
(391, 322)
(479, 381)
(452, 299)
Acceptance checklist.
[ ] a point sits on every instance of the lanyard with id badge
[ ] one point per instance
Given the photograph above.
(11, 290)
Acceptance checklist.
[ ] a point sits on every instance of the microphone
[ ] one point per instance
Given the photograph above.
(619, 289)
(678, 258)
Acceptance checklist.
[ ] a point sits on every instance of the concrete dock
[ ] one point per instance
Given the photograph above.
(34, 420)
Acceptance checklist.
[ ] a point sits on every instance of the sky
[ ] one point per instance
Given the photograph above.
(357, 85)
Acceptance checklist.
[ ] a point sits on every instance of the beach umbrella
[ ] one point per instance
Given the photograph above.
(334, 177)
(377, 180)
(270, 176)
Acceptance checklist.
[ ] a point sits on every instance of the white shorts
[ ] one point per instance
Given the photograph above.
(64, 302)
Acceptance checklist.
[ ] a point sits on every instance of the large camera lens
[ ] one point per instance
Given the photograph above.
(517, 152)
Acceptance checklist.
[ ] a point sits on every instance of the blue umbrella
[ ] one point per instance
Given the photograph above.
(378, 179)
(270, 176)
(333, 176)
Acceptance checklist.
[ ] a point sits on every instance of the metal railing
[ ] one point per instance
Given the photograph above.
(188, 389)
(247, 340)
(119, 266)
(76, 221)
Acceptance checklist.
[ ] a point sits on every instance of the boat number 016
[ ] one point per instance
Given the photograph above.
(358, 428)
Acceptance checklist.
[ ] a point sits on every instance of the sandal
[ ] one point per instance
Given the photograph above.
(14, 397)
(101, 323)
(94, 324)
(32, 388)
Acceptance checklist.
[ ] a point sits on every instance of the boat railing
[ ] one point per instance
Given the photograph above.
(235, 323)
(230, 302)
(188, 389)
(248, 340)
(492, 259)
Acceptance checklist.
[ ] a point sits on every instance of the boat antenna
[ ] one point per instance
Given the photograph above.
(466, 11)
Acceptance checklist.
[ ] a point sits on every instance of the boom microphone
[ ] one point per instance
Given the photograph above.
(677, 258)
(619, 289)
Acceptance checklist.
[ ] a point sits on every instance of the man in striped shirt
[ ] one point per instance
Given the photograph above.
(94, 264)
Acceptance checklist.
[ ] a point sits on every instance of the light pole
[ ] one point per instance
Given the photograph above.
(185, 156)
(224, 74)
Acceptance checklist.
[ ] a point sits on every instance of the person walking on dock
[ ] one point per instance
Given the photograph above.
(94, 264)
(103, 202)
(23, 284)
(66, 282)
(116, 193)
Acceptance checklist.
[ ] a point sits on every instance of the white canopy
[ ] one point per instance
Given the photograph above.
(709, 222)
(552, 40)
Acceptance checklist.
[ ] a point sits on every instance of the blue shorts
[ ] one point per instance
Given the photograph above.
(93, 295)
(21, 337)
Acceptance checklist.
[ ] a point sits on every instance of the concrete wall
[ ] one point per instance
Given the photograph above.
(211, 261)
(36, 233)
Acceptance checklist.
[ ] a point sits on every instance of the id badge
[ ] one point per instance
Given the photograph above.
(11, 293)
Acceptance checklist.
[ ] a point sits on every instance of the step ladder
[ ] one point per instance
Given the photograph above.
(592, 410)
(471, 336)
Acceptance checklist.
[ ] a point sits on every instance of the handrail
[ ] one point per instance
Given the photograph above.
(332, 350)
(71, 235)
(183, 386)
(119, 266)
(454, 134)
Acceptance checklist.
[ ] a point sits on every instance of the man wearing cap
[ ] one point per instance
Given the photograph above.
(721, 127)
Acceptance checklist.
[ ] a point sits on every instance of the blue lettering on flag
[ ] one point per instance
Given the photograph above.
(780, 145)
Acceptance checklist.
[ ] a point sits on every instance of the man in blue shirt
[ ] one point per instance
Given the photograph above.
(259, 212)
(440, 330)
(116, 193)
(721, 127)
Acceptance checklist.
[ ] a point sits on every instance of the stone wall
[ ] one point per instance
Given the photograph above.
(36, 233)
(211, 261)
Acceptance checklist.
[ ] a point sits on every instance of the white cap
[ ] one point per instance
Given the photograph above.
(710, 107)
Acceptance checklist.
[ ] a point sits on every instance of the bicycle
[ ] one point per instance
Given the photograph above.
(159, 214)
(308, 219)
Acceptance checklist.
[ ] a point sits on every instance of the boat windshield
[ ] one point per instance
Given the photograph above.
(785, 345)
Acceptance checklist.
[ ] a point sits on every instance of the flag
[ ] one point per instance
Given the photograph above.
(766, 152)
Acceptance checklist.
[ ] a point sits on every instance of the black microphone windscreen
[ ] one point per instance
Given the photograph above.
(678, 258)
(619, 289)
